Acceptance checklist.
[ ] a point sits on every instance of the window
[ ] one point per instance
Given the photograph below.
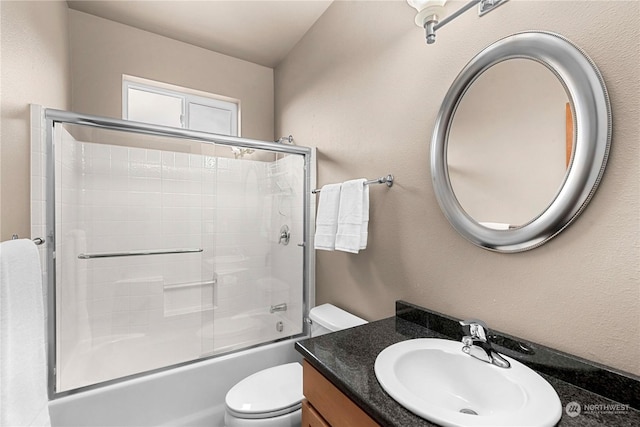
(167, 105)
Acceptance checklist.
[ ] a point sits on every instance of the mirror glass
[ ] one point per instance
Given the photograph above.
(510, 143)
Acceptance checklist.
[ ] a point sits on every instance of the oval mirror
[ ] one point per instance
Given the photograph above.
(521, 141)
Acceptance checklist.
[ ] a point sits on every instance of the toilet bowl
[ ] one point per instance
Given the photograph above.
(273, 397)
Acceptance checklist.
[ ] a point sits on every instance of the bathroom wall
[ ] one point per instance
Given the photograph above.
(103, 50)
(364, 88)
(35, 69)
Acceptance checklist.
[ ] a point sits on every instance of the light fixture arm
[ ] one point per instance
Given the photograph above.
(432, 24)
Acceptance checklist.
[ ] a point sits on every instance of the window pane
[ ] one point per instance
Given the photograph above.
(154, 108)
(211, 119)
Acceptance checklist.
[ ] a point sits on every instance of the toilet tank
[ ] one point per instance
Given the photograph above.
(329, 318)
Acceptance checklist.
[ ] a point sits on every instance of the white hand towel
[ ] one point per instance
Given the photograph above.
(23, 375)
(327, 217)
(364, 229)
(351, 216)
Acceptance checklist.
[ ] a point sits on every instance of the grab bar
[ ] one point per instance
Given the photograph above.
(138, 253)
(191, 284)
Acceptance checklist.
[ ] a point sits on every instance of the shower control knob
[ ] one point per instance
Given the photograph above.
(285, 235)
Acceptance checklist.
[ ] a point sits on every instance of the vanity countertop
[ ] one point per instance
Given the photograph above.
(347, 359)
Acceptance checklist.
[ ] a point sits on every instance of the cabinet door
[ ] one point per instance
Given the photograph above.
(333, 405)
(310, 418)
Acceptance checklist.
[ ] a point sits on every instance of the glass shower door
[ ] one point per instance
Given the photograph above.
(169, 251)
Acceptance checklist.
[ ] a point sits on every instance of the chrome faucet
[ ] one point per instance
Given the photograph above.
(278, 307)
(478, 345)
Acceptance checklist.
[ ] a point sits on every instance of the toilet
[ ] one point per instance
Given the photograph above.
(273, 397)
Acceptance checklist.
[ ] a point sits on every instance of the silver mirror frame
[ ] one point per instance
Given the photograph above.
(592, 139)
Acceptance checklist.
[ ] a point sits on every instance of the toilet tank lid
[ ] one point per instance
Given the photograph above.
(333, 318)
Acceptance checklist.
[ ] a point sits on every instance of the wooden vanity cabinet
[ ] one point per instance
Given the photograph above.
(310, 417)
(326, 406)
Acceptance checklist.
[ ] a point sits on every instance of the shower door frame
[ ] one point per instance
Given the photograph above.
(54, 116)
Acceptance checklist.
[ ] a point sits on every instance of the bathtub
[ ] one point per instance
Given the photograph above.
(190, 395)
(100, 359)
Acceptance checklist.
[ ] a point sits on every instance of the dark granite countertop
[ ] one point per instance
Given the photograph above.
(347, 359)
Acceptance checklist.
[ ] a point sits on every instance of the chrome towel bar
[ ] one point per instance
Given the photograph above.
(138, 253)
(382, 180)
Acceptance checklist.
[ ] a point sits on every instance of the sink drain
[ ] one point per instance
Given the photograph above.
(468, 411)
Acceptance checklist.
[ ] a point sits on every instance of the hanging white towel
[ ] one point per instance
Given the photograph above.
(23, 376)
(327, 217)
(364, 229)
(353, 216)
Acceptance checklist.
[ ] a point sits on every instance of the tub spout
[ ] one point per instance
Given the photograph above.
(278, 307)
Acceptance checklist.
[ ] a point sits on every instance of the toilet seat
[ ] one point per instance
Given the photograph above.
(268, 393)
(261, 415)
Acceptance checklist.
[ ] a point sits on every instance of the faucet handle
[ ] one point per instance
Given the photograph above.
(476, 321)
(477, 328)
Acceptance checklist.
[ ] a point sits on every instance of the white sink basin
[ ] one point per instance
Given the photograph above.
(435, 380)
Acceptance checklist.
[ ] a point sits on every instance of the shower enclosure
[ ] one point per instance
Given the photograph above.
(164, 247)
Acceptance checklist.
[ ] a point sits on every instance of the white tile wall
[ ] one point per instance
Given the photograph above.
(113, 198)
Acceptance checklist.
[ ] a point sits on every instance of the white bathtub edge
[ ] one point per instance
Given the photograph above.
(191, 393)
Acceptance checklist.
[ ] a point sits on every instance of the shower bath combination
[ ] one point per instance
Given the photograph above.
(162, 249)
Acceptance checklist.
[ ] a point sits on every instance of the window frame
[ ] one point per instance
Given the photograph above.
(188, 96)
